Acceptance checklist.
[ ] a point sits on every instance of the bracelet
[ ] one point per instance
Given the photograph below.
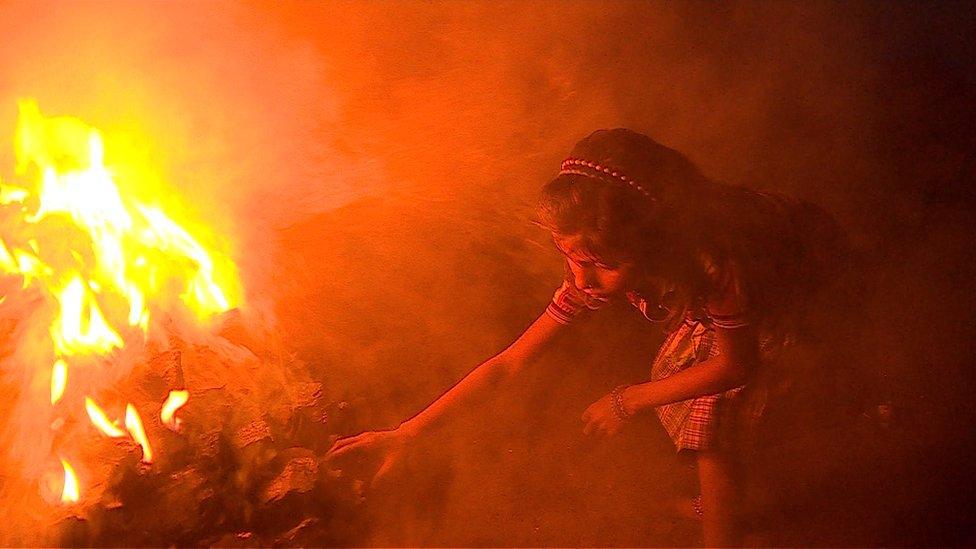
(617, 403)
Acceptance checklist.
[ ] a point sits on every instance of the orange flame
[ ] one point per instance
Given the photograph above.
(59, 380)
(135, 251)
(134, 424)
(100, 420)
(70, 492)
(174, 402)
(86, 229)
(76, 332)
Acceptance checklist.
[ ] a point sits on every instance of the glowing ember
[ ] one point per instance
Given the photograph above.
(59, 380)
(134, 424)
(100, 420)
(174, 402)
(70, 492)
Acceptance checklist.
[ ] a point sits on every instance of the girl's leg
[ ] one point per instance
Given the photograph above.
(716, 477)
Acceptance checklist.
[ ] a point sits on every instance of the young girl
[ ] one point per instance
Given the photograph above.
(729, 272)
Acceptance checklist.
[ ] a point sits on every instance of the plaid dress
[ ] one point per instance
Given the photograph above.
(691, 424)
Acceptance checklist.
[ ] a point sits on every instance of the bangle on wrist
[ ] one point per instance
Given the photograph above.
(617, 403)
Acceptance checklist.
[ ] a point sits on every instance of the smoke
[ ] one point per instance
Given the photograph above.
(235, 117)
(375, 166)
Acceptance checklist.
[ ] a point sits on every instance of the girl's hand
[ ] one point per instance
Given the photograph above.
(600, 420)
(373, 454)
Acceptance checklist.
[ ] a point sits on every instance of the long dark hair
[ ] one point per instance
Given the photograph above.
(678, 223)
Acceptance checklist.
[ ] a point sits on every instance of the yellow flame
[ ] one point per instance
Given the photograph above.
(202, 294)
(134, 424)
(70, 492)
(11, 195)
(137, 250)
(77, 333)
(174, 402)
(30, 267)
(100, 420)
(7, 260)
(59, 380)
(86, 227)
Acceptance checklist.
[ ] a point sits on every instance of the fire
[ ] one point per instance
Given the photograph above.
(100, 420)
(137, 249)
(174, 402)
(97, 253)
(134, 425)
(59, 380)
(70, 492)
(82, 328)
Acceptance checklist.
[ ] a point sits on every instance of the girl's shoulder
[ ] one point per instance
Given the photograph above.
(723, 300)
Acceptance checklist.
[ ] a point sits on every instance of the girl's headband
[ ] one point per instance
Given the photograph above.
(578, 166)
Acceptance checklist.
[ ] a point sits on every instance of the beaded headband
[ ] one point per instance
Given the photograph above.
(575, 166)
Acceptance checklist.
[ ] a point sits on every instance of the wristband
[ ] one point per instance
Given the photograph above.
(617, 403)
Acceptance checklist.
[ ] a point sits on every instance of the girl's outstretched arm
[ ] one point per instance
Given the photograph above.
(487, 376)
(386, 446)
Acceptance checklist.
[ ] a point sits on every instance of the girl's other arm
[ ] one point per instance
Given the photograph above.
(732, 367)
(738, 346)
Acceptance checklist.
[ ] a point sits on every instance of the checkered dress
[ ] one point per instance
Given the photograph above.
(692, 424)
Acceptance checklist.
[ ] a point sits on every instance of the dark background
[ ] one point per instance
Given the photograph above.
(377, 165)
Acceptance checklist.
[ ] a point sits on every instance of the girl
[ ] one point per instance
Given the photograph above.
(729, 272)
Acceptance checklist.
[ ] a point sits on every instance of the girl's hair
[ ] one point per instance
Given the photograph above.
(780, 249)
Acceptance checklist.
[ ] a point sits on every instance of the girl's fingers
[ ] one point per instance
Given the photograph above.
(591, 413)
(343, 447)
(338, 444)
(342, 443)
(337, 454)
(594, 428)
(609, 427)
(381, 474)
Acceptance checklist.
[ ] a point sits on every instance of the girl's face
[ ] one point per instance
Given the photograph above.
(601, 279)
